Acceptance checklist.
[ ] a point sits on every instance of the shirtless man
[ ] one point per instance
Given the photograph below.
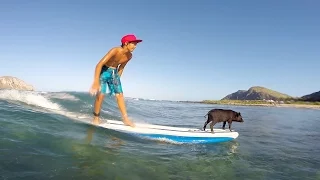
(108, 72)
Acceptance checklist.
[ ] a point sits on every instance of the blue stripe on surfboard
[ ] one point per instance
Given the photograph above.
(184, 139)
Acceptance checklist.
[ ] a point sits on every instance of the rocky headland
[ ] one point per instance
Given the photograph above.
(10, 82)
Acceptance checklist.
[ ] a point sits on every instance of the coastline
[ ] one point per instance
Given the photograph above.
(259, 103)
(299, 106)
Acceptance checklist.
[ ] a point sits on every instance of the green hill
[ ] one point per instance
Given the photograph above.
(311, 97)
(257, 93)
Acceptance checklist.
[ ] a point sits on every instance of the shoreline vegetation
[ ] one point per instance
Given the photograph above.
(266, 103)
(262, 96)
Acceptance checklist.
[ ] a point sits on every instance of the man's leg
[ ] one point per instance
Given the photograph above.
(122, 108)
(116, 88)
(99, 100)
(97, 108)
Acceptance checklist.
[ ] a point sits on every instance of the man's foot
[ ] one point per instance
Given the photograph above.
(127, 122)
(96, 120)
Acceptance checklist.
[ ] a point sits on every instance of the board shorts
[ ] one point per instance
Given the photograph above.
(109, 78)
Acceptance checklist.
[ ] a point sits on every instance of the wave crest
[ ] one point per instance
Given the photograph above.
(30, 98)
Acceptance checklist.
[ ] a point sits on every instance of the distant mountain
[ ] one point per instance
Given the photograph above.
(10, 82)
(257, 93)
(311, 97)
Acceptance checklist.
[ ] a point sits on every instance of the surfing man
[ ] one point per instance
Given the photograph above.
(108, 72)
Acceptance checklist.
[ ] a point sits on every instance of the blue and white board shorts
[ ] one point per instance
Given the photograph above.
(110, 77)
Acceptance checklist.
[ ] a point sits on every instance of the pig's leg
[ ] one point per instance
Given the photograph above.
(212, 124)
(229, 123)
(207, 122)
(224, 124)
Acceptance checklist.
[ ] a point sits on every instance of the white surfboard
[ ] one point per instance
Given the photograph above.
(175, 134)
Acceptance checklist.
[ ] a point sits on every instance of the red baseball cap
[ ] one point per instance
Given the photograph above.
(130, 38)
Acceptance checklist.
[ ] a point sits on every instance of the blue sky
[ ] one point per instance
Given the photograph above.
(202, 50)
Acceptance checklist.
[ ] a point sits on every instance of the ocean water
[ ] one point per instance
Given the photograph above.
(41, 138)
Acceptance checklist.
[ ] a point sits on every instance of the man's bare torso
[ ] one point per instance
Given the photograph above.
(119, 58)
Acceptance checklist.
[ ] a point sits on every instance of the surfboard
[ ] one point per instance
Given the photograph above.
(170, 133)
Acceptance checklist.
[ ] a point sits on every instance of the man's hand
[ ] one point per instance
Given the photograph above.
(121, 67)
(95, 88)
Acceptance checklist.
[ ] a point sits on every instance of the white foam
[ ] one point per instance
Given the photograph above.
(42, 100)
(166, 140)
(63, 96)
(30, 98)
(39, 99)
